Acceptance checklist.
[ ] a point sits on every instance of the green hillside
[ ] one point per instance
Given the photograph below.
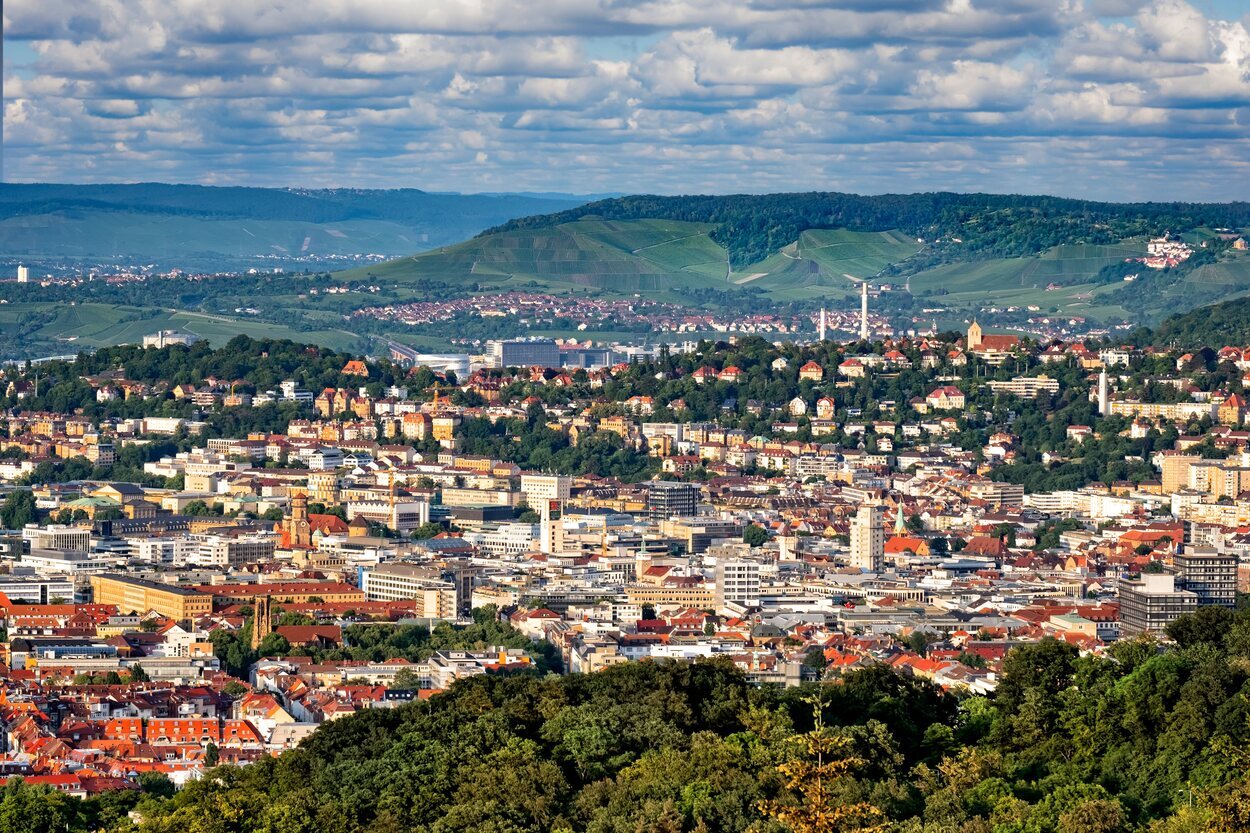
(816, 264)
(651, 256)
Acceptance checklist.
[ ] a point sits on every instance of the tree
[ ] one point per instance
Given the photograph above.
(813, 776)
(755, 535)
(18, 510)
(138, 675)
(429, 529)
(211, 755)
(1208, 625)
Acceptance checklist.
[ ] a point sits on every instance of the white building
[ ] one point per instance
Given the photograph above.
(538, 488)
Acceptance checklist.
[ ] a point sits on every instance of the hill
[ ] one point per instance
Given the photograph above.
(652, 256)
(752, 227)
(1226, 323)
(222, 228)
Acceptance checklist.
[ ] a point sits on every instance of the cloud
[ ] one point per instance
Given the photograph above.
(1119, 99)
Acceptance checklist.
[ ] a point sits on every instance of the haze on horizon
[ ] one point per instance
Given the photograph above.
(1105, 99)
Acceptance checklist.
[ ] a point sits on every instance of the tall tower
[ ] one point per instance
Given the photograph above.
(260, 621)
(1104, 394)
(299, 530)
(23, 274)
(824, 323)
(551, 533)
(974, 335)
(863, 311)
(868, 539)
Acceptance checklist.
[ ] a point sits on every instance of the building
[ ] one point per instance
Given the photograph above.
(542, 487)
(403, 516)
(1210, 575)
(227, 551)
(667, 499)
(23, 274)
(539, 352)
(164, 338)
(38, 591)
(737, 582)
(434, 594)
(1164, 410)
(58, 537)
(1150, 603)
(1026, 387)
(1175, 468)
(868, 539)
(136, 595)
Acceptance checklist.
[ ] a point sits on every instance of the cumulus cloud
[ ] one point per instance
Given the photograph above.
(1104, 98)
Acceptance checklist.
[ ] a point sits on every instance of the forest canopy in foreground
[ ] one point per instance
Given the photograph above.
(1144, 739)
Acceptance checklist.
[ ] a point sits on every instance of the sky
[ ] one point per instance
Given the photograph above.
(1102, 99)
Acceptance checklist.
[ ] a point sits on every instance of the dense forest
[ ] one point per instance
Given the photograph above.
(754, 226)
(1144, 739)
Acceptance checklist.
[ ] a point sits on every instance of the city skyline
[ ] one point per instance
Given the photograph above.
(1104, 99)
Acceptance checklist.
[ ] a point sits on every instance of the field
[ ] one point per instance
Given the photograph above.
(651, 256)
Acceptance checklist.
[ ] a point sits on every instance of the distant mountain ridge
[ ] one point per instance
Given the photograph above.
(225, 227)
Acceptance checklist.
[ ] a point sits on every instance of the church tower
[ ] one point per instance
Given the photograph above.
(260, 621)
(974, 335)
(298, 529)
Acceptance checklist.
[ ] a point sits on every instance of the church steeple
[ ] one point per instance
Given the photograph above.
(974, 335)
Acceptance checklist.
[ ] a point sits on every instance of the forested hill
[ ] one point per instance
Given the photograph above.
(1214, 326)
(754, 226)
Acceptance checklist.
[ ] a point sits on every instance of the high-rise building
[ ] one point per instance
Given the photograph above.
(868, 539)
(668, 499)
(539, 487)
(1104, 394)
(738, 581)
(1152, 602)
(23, 274)
(1209, 574)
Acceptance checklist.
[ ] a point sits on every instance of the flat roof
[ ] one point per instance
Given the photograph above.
(147, 584)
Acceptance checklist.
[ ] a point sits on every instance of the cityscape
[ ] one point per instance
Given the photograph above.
(761, 417)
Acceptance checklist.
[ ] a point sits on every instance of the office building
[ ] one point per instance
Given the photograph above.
(868, 539)
(403, 516)
(434, 594)
(737, 582)
(669, 499)
(38, 591)
(1210, 575)
(539, 352)
(542, 487)
(136, 595)
(225, 551)
(1150, 603)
